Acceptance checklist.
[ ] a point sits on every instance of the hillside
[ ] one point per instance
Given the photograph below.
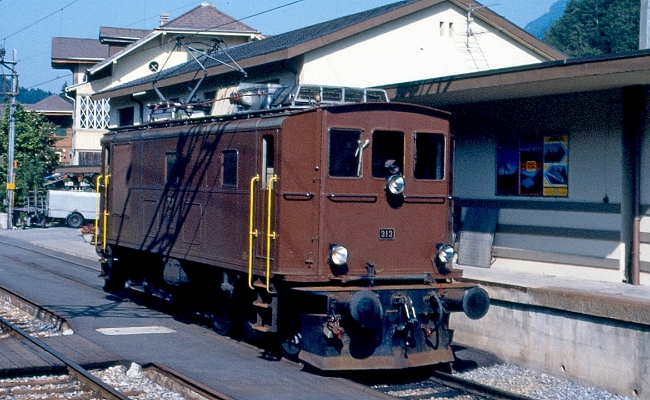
(539, 26)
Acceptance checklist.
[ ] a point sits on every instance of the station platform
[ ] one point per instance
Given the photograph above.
(613, 300)
(595, 333)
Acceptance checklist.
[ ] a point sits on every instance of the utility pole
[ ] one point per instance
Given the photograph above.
(10, 88)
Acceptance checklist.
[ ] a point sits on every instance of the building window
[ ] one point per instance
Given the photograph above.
(93, 114)
(533, 166)
(345, 154)
(229, 169)
(90, 158)
(126, 116)
(429, 156)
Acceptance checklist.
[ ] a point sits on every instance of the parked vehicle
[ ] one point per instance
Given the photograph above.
(71, 207)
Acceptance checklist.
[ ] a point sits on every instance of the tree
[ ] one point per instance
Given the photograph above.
(34, 151)
(596, 27)
(31, 96)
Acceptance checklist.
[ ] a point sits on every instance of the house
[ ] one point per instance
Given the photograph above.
(59, 112)
(121, 55)
(404, 41)
(77, 55)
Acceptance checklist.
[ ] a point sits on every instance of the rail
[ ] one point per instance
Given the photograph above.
(94, 383)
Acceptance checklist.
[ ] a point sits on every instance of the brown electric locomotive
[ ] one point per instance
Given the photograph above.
(320, 215)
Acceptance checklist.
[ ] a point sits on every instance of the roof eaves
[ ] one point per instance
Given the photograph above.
(128, 49)
(598, 66)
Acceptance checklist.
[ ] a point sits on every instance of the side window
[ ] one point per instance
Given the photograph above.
(345, 153)
(386, 146)
(229, 169)
(429, 156)
(170, 163)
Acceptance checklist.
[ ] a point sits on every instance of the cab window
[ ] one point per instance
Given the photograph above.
(429, 156)
(345, 153)
(387, 149)
(229, 169)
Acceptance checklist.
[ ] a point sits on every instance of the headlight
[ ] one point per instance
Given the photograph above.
(339, 255)
(395, 184)
(445, 254)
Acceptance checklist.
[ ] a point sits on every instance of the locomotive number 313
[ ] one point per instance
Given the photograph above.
(386, 234)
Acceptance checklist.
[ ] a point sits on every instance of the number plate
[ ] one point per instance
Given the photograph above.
(386, 234)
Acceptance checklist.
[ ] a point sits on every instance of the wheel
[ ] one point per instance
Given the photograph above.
(291, 347)
(220, 320)
(75, 220)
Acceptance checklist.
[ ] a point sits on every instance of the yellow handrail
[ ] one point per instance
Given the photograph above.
(107, 178)
(269, 235)
(97, 210)
(251, 233)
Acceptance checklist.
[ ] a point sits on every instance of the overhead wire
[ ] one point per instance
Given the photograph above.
(40, 20)
(159, 45)
(197, 32)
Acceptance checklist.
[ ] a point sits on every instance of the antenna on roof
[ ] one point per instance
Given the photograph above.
(470, 9)
(470, 33)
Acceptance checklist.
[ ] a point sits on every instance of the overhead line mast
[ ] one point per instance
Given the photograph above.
(9, 87)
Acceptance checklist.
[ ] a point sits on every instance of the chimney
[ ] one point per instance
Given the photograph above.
(644, 31)
(164, 18)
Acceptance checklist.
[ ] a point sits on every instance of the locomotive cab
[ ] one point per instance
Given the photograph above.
(325, 224)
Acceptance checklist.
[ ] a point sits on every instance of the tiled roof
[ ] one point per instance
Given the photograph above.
(206, 18)
(53, 103)
(109, 34)
(78, 49)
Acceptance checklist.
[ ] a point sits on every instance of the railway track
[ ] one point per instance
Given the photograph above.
(78, 380)
(446, 386)
(23, 324)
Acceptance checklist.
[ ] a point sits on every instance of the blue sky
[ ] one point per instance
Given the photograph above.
(29, 25)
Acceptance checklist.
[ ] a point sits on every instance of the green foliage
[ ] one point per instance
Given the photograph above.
(31, 96)
(596, 27)
(34, 150)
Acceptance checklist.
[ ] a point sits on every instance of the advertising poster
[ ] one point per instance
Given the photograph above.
(508, 167)
(556, 166)
(533, 166)
(530, 167)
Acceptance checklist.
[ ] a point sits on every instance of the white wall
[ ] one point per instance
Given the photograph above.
(412, 48)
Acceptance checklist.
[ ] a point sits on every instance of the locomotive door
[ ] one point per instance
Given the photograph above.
(285, 202)
(262, 222)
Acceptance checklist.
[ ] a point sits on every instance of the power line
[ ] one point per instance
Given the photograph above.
(223, 24)
(159, 45)
(155, 16)
(51, 80)
(40, 20)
